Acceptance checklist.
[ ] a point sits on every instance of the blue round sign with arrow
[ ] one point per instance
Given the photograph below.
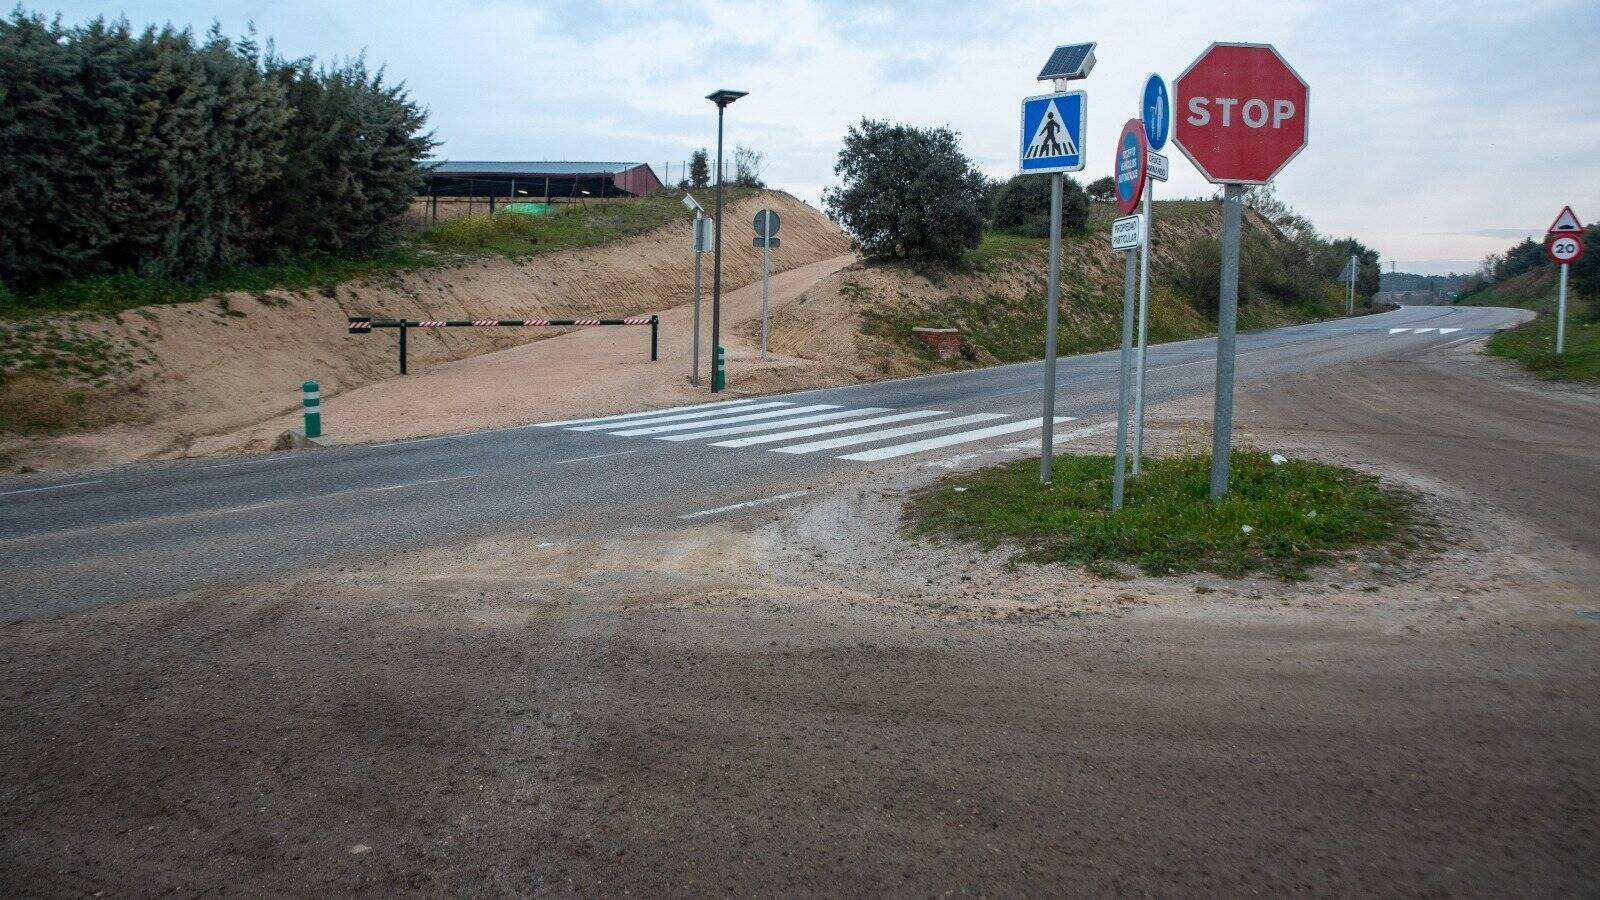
(1156, 112)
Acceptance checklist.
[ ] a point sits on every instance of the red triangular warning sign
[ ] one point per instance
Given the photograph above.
(1566, 222)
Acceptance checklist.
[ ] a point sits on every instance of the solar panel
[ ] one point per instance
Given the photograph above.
(1069, 61)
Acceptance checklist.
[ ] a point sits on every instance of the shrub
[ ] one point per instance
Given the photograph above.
(907, 192)
(1102, 190)
(163, 155)
(1023, 206)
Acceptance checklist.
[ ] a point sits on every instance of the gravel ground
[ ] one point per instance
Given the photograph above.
(801, 702)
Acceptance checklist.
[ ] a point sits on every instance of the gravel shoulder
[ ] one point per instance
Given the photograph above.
(799, 701)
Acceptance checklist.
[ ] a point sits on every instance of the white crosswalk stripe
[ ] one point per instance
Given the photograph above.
(769, 426)
(829, 429)
(726, 420)
(946, 440)
(609, 424)
(649, 412)
(874, 436)
(784, 426)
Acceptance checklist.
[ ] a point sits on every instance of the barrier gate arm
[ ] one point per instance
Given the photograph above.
(365, 324)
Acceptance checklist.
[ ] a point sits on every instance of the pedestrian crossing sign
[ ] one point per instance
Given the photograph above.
(1052, 132)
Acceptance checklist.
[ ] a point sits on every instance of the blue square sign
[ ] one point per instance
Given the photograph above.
(1052, 132)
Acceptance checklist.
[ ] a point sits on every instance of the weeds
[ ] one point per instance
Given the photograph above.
(1276, 519)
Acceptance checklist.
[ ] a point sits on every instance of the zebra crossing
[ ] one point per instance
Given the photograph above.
(866, 433)
(1395, 331)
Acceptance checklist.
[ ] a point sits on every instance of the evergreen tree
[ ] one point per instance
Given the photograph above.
(699, 169)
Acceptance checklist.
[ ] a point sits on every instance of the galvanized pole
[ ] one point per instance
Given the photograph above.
(1119, 476)
(694, 374)
(1051, 316)
(716, 259)
(1350, 290)
(1561, 314)
(1144, 329)
(1227, 330)
(766, 269)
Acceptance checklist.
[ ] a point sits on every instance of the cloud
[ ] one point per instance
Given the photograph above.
(1428, 120)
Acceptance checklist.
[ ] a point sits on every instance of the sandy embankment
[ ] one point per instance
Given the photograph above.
(223, 367)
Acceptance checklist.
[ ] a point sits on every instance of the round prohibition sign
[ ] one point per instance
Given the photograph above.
(1563, 249)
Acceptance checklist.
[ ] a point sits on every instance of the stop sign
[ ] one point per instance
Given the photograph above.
(1242, 113)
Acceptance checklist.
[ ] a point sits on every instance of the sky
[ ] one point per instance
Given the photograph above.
(1440, 131)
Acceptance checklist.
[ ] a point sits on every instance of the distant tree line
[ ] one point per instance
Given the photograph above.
(1529, 255)
(158, 153)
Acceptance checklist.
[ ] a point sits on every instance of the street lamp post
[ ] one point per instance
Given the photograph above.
(721, 98)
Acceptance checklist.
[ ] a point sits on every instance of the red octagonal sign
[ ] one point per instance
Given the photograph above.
(1242, 113)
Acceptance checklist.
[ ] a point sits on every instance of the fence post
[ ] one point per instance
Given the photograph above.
(313, 409)
(402, 346)
(655, 333)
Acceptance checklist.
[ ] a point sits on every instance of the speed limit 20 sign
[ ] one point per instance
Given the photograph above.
(1563, 249)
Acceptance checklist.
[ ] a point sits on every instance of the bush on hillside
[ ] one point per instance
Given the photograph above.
(907, 192)
(163, 155)
(1023, 206)
(1102, 189)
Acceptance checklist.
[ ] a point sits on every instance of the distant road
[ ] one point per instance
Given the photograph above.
(70, 542)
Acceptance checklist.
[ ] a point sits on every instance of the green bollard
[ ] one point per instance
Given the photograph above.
(313, 402)
(719, 370)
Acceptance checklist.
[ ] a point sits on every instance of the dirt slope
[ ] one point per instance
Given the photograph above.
(856, 324)
(218, 366)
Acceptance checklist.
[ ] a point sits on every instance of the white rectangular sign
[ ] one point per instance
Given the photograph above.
(1157, 166)
(1127, 233)
(705, 235)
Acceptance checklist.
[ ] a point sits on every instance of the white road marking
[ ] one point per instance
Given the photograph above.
(828, 429)
(748, 503)
(950, 462)
(51, 487)
(396, 487)
(768, 426)
(871, 436)
(1398, 330)
(1448, 330)
(678, 417)
(946, 440)
(647, 412)
(1422, 330)
(596, 456)
(727, 420)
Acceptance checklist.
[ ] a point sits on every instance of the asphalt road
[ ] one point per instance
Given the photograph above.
(72, 542)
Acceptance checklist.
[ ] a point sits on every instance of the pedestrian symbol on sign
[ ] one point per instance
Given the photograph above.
(1048, 137)
(1052, 133)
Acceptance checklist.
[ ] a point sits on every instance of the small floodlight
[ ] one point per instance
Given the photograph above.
(1069, 62)
(724, 97)
(693, 204)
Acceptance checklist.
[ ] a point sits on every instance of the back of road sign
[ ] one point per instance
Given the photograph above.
(766, 223)
(1052, 132)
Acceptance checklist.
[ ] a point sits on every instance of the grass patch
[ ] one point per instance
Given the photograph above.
(511, 234)
(1300, 514)
(570, 226)
(1534, 344)
(35, 404)
(110, 294)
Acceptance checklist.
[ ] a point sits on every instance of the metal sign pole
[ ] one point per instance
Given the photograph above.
(1561, 313)
(766, 269)
(1227, 330)
(1144, 329)
(1350, 292)
(1052, 305)
(716, 260)
(1119, 476)
(694, 374)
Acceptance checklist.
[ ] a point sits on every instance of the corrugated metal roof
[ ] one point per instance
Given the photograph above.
(546, 167)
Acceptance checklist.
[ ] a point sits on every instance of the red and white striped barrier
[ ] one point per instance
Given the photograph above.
(365, 324)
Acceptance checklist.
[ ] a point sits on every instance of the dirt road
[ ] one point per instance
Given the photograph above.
(802, 703)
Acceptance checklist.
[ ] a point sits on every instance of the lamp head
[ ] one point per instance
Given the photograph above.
(693, 204)
(724, 97)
